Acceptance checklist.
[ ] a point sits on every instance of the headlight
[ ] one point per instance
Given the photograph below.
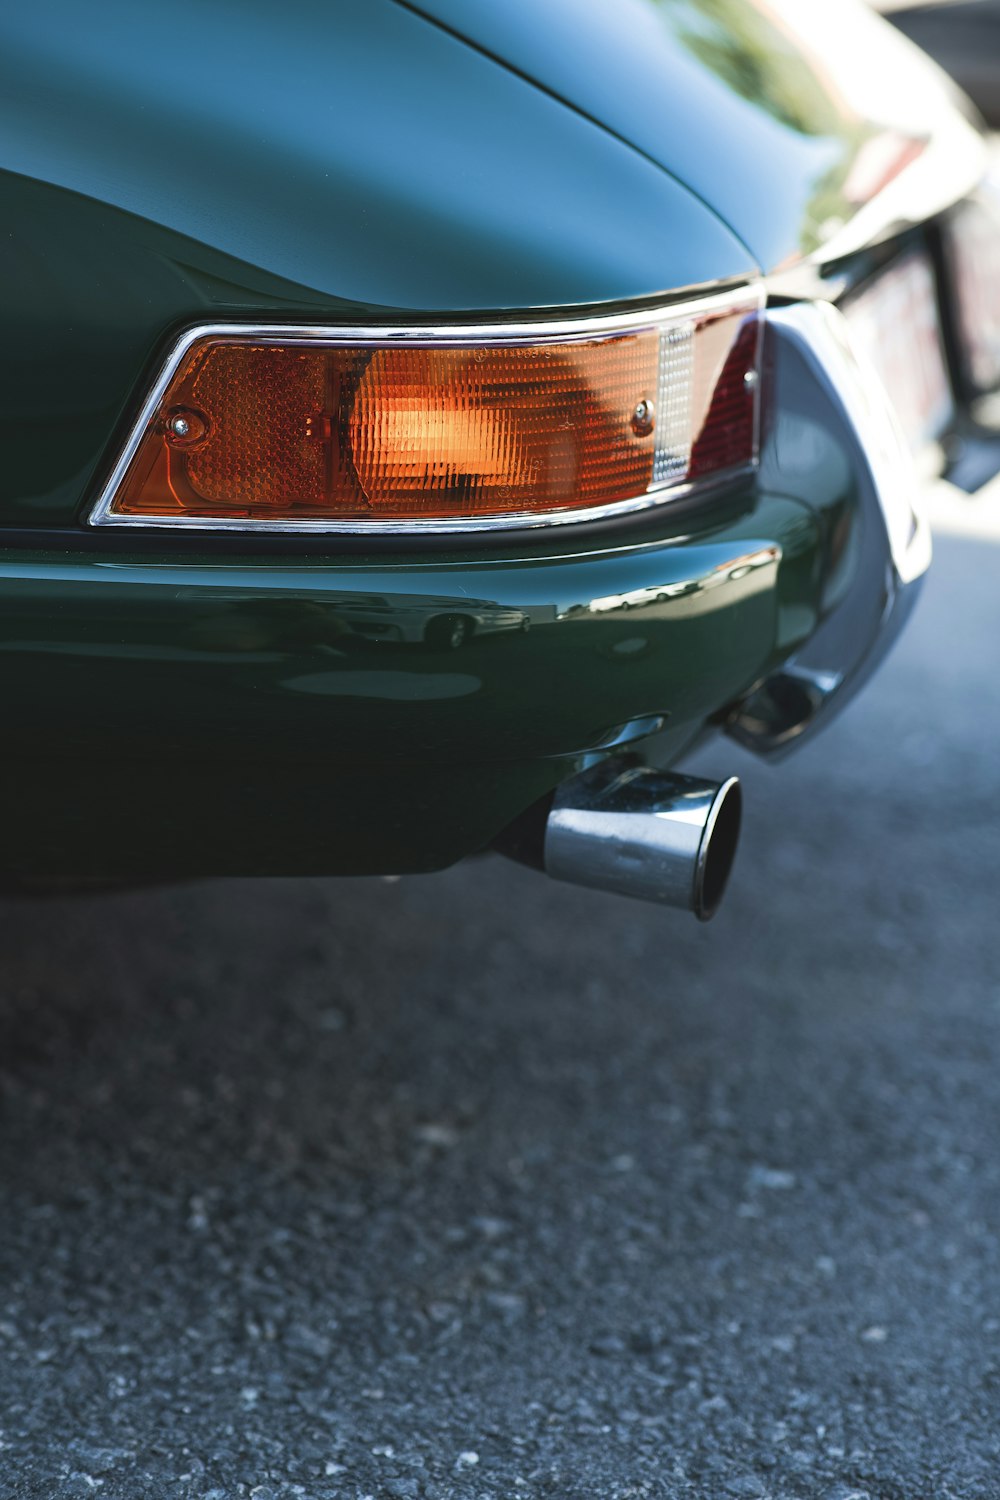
(441, 429)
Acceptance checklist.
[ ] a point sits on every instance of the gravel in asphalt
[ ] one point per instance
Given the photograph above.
(477, 1186)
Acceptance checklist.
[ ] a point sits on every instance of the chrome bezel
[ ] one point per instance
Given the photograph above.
(458, 335)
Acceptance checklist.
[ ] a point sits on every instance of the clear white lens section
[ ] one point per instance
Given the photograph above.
(674, 404)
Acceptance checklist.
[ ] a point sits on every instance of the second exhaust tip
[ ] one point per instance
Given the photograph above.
(645, 833)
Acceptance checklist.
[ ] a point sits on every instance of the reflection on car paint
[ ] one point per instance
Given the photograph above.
(728, 572)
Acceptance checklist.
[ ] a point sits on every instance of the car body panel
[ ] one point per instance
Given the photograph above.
(780, 114)
(156, 708)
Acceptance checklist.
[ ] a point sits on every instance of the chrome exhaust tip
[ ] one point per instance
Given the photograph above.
(645, 833)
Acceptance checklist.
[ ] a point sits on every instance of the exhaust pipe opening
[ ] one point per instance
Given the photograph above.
(643, 833)
(718, 849)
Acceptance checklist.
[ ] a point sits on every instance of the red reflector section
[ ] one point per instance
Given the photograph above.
(729, 378)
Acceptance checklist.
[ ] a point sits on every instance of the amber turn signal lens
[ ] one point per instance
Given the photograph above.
(283, 429)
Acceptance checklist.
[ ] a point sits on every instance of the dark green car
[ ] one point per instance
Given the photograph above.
(424, 421)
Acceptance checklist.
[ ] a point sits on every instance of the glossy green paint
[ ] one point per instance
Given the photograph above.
(205, 714)
(768, 111)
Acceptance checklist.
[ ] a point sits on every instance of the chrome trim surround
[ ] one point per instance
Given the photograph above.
(951, 165)
(750, 296)
(820, 384)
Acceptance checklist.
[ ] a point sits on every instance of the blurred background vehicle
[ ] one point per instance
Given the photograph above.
(963, 36)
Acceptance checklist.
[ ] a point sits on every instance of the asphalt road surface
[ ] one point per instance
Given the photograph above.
(478, 1186)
